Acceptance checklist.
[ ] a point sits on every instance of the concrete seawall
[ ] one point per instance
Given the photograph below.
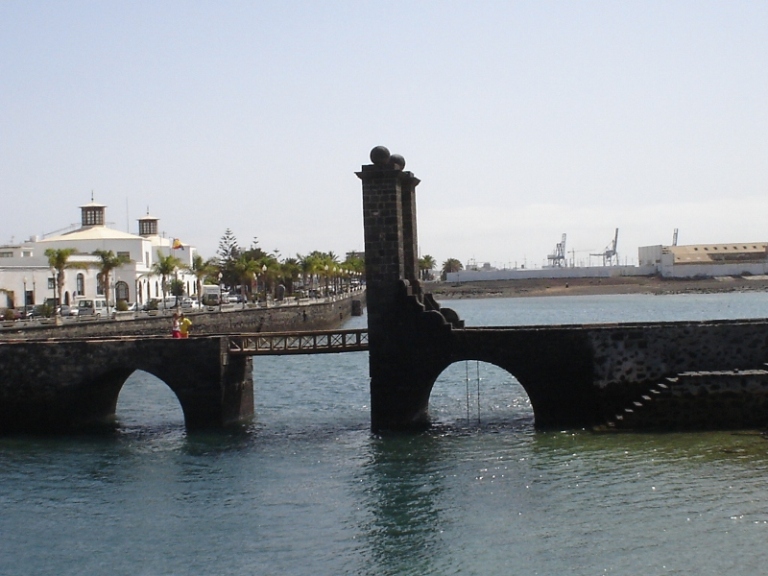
(311, 315)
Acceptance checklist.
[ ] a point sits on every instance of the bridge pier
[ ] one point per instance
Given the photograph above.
(404, 327)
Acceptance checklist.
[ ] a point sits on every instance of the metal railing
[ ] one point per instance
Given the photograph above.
(315, 342)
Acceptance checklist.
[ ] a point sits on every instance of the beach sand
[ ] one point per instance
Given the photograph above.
(587, 286)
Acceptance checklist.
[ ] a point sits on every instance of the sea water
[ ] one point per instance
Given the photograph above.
(308, 489)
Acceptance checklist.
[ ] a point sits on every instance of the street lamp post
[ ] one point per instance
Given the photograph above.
(25, 297)
(264, 279)
(221, 289)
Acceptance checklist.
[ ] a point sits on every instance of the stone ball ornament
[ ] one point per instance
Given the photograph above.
(380, 156)
(397, 162)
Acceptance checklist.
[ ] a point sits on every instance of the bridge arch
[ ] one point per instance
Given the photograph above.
(474, 392)
(101, 392)
(146, 400)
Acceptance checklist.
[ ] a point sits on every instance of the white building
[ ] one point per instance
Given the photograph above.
(693, 261)
(706, 260)
(24, 267)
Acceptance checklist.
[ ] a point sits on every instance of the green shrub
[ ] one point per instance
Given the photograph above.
(44, 310)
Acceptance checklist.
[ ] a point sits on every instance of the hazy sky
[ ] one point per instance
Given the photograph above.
(524, 120)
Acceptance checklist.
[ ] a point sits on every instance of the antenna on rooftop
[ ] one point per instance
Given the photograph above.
(674, 238)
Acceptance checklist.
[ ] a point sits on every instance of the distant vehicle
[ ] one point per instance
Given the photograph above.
(189, 304)
(211, 295)
(37, 311)
(13, 314)
(235, 298)
(92, 307)
(67, 310)
(169, 302)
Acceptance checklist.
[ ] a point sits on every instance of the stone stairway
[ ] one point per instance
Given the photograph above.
(697, 400)
(623, 418)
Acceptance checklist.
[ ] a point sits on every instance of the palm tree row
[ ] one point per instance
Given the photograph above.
(239, 268)
(254, 267)
(242, 269)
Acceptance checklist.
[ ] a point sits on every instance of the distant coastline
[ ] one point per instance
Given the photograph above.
(590, 286)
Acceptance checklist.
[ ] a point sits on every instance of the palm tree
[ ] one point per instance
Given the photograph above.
(426, 264)
(58, 260)
(290, 272)
(270, 269)
(245, 269)
(451, 265)
(108, 261)
(310, 266)
(164, 267)
(202, 269)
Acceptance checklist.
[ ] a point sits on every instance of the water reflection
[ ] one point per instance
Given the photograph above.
(403, 491)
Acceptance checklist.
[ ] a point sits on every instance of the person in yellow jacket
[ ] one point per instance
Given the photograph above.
(184, 325)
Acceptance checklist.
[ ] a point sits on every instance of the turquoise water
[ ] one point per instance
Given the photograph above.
(307, 489)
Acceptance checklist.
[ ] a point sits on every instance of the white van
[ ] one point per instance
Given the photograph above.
(92, 307)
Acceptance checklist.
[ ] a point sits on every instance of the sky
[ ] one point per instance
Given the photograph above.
(524, 120)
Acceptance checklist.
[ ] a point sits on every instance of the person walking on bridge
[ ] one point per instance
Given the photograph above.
(184, 325)
(175, 326)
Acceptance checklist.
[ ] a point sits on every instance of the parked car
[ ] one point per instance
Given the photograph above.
(67, 310)
(13, 314)
(92, 307)
(169, 302)
(190, 304)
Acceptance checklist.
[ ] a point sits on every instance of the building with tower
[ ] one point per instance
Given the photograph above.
(27, 280)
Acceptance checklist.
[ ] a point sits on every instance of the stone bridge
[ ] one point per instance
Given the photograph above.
(73, 384)
(681, 375)
(60, 385)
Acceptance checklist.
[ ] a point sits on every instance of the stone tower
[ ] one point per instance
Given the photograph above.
(403, 322)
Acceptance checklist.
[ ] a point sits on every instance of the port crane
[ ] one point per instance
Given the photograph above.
(610, 257)
(557, 258)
